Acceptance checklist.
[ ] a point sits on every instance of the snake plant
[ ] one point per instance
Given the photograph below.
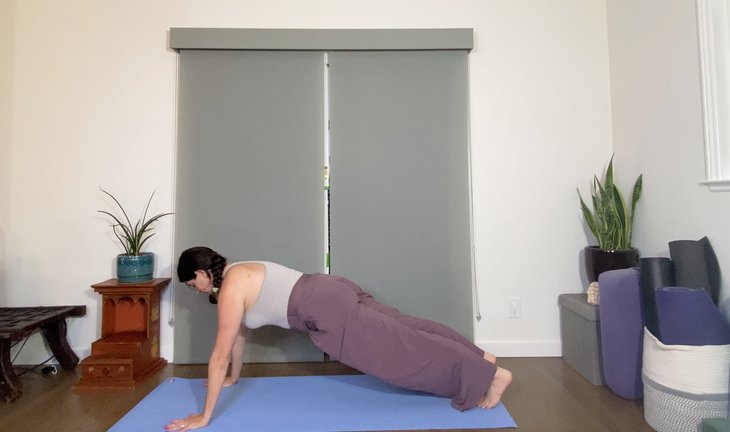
(610, 222)
(132, 237)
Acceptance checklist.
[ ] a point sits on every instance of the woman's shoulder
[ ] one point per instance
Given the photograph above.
(248, 268)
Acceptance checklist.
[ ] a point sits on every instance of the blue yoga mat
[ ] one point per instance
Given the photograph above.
(687, 316)
(307, 404)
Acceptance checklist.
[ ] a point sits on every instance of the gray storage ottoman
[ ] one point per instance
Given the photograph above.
(580, 333)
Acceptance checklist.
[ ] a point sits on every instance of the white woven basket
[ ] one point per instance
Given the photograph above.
(684, 384)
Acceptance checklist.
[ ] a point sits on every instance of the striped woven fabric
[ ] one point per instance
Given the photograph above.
(684, 384)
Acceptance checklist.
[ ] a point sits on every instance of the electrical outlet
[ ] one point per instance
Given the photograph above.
(514, 307)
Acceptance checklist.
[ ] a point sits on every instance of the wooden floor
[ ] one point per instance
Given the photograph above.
(546, 395)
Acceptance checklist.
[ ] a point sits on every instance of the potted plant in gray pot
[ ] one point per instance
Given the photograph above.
(133, 266)
(612, 225)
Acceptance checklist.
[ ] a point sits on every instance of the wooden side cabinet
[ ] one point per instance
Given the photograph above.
(128, 352)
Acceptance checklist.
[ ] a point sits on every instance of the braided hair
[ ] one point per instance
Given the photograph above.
(202, 258)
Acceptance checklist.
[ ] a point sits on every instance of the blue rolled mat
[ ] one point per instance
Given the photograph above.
(307, 404)
(688, 316)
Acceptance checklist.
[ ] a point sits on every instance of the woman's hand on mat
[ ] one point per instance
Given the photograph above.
(194, 421)
(229, 381)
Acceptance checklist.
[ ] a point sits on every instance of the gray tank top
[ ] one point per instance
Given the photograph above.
(271, 306)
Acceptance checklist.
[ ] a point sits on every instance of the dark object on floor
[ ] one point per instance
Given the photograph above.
(18, 323)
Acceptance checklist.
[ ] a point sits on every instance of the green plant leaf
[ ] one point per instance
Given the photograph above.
(147, 207)
(127, 236)
(610, 222)
(590, 219)
(129, 224)
(607, 216)
(621, 217)
(598, 202)
(597, 208)
(146, 238)
(635, 196)
(609, 175)
(122, 241)
(132, 237)
(146, 225)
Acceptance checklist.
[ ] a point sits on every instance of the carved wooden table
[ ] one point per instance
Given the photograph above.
(128, 352)
(17, 323)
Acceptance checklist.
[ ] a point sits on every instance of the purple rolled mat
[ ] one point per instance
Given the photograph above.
(622, 331)
(687, 316)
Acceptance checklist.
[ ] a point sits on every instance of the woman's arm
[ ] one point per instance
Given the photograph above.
(237, 354)
(236, 358)
(230, 315)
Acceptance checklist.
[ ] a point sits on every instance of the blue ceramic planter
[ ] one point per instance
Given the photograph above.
(135, 269)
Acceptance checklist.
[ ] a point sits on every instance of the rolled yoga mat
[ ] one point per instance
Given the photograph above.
(622, 331)
(654, 273)
(307, 404)
(687, 316)
(696, 266)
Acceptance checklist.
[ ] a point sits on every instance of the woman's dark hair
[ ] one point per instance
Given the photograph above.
(202, 258)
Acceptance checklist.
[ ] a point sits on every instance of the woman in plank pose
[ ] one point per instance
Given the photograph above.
(344, 322)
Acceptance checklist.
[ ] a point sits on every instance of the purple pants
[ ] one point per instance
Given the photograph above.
(348, 324)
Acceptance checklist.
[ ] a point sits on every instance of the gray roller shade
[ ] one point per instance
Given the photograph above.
(249, 180)
(400, 216)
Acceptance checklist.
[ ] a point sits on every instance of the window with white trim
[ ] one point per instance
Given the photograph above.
(714, 38)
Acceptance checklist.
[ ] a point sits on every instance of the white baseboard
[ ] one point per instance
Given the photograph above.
(166, 352)
(522, 348)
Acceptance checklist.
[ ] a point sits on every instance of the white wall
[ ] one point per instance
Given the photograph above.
(657, 125)
(7, 28)
(91, 94)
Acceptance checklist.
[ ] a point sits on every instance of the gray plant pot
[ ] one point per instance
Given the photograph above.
(135, 268)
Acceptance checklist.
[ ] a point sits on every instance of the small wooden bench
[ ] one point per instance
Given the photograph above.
(18, 323)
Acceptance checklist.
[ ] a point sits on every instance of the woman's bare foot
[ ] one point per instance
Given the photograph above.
(501, 381)
(491, 358)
